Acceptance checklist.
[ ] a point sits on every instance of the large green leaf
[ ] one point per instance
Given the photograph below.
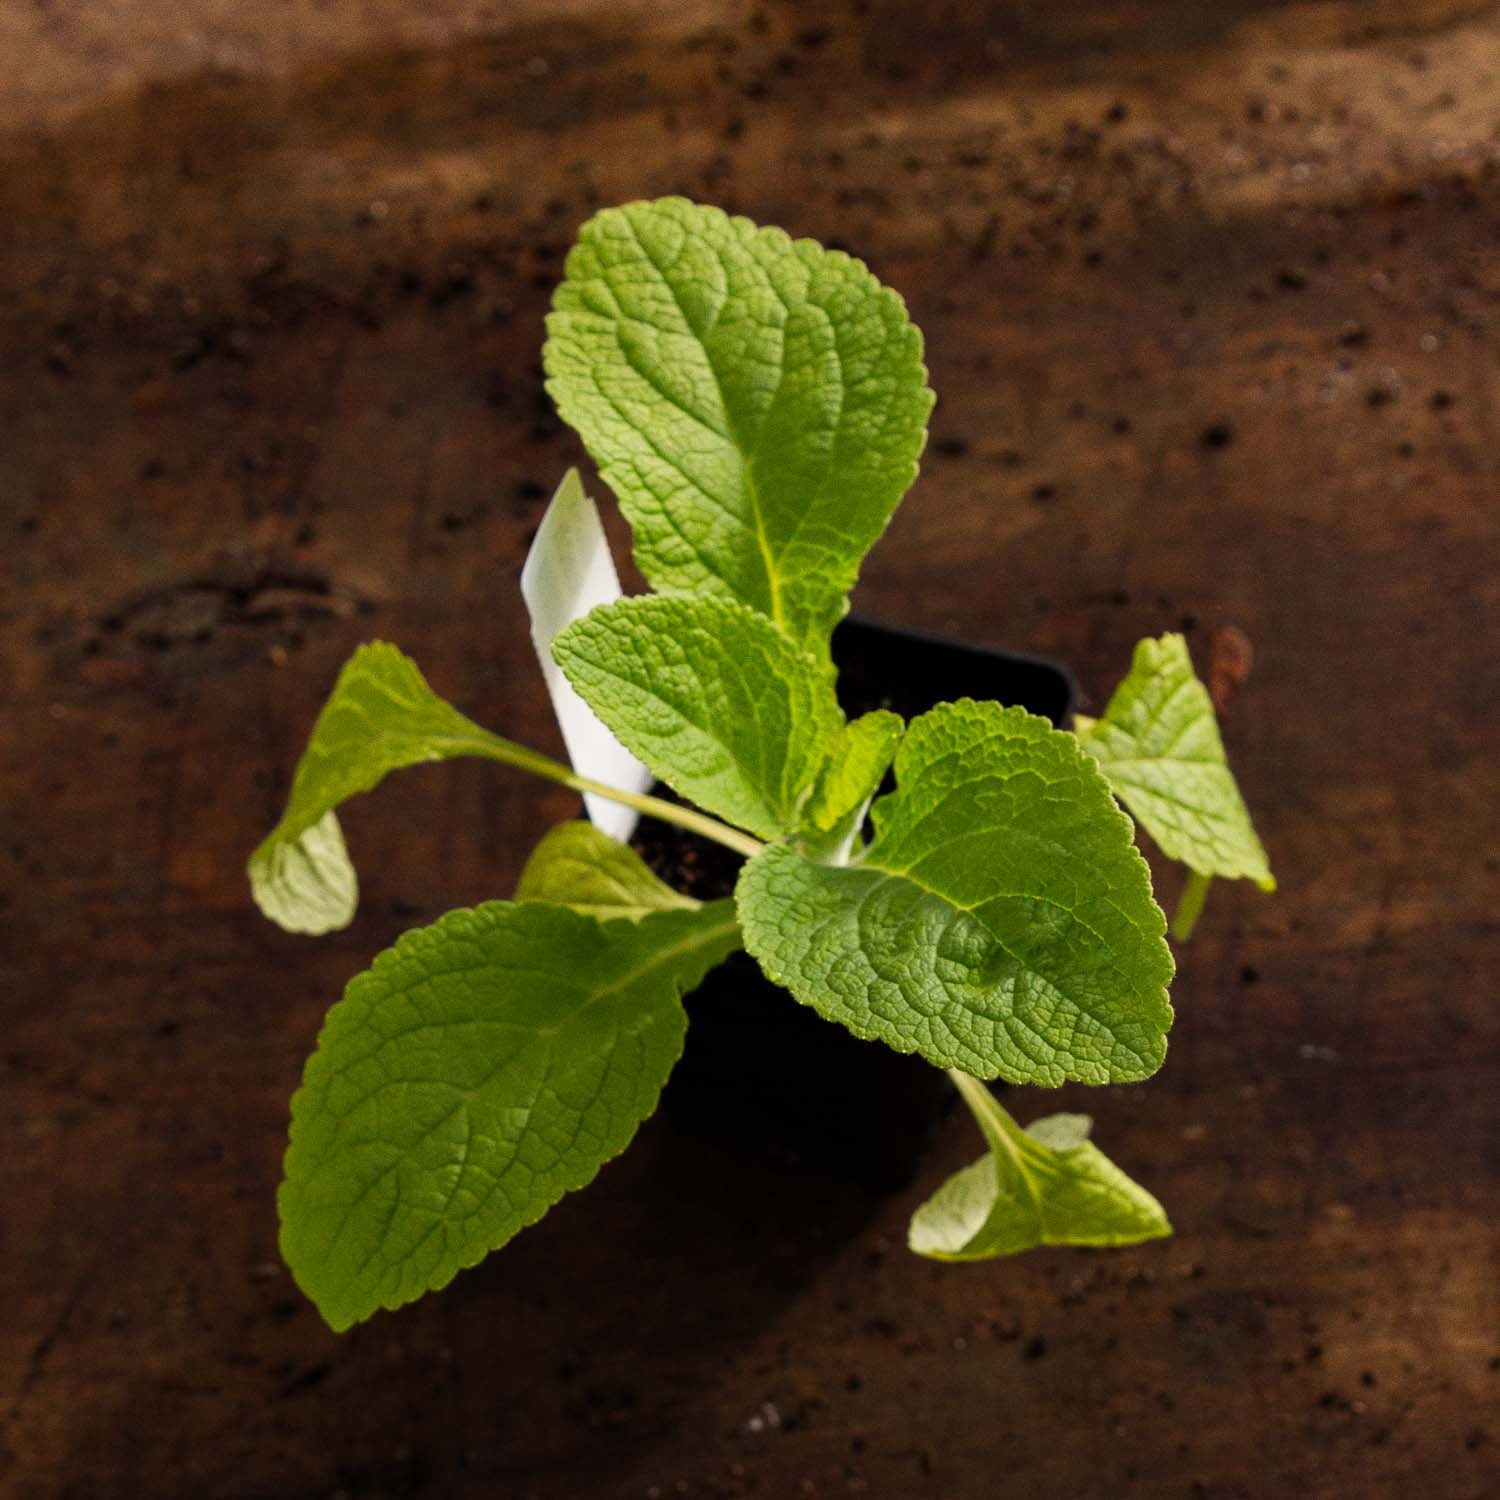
(1000, 922)
(1159, 745)
(380, 717)
(1045, 1185)
(712, 697)
(757, 403)
(476, 1072)
(576, 865)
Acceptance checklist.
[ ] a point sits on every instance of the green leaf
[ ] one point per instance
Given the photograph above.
(305, 882)
(857, 760)
(758, 404)
(1000, 922)
(1159, 745)
(476, 1072)
(712, 697)
(576, 865)
(380, 717)
(1045, 1185)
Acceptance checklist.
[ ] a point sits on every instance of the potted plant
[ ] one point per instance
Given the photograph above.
(854, 1110)
(758, 406)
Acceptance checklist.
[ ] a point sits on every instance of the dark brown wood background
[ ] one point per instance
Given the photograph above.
(1210, 294)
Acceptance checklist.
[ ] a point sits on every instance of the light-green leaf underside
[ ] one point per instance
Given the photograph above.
(380, 717)
(576, 865)
(1159, 745)
(1001, 921)
(476, 1072)
(757, 403)
(1045, 1185)
(712, 697)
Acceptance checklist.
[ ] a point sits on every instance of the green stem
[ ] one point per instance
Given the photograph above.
(996, 1123)
(512, 754)
(1190, 905)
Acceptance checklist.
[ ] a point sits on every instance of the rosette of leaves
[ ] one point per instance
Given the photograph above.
(757, 405)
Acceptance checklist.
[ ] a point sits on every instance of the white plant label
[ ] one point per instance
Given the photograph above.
(568, 571)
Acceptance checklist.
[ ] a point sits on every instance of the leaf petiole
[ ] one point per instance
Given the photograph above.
(544, 766)
(996, 1123)
(1190, 905)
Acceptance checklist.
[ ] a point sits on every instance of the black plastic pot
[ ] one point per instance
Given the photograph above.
(768, 1076)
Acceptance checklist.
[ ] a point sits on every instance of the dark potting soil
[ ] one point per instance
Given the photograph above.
(765, 1075)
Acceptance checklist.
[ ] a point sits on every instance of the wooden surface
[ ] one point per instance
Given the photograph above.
(1210, 294)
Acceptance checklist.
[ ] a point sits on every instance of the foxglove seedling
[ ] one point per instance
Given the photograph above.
(758, 406)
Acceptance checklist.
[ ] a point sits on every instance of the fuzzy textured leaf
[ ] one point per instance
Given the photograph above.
(479, 1070)
(380, 717)
(576, 865)
(857, 760)
(1159, 745)
(1000, 922)
(1045, 1185)
(757, 403)
(712, 697)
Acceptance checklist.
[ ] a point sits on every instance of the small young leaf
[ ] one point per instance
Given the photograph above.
(716, 700)
(1045, 1185)
(1000, 922)
(1159, 745)
(757, 403)
(857, 760)
(576, 865)
(380, 717)
(475, 1073)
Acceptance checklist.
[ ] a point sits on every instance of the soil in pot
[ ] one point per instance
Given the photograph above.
(767, 1076)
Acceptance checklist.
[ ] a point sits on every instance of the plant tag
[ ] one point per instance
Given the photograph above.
(568, 571)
